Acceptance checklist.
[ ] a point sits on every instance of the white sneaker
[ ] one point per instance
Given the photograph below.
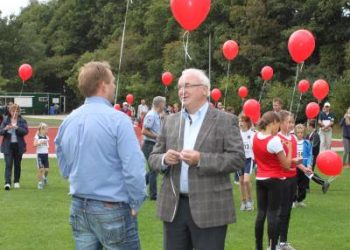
(286, 246)
(16, 185)
(40, 185)
(301, 204)
(243, 206)
(7, 187)
(249, 206)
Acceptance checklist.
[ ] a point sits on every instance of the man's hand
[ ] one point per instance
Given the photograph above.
(191, 157)
(172, 157)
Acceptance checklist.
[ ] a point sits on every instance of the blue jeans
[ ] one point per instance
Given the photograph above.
(103, 225)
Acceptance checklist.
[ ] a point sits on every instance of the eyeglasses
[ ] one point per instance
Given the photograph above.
(188, 86)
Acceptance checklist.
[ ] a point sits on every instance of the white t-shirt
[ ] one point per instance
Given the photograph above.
(300, 148)
(274, 146)
(42, 148)
(247, 137)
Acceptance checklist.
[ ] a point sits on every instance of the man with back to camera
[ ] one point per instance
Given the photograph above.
(197, 150)
(98, 152)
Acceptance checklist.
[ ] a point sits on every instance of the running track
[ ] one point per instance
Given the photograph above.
(336, 144)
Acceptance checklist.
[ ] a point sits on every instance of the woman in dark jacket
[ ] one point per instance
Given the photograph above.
(13, 129)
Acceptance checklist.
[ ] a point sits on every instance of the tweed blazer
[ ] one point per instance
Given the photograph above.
(210, 189)
(21, 131)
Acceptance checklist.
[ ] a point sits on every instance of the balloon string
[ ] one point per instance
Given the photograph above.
(262, 90)
(228, 75)
(20, 93)
(295, 85)
(185, 45)
(121, 51)
(297, 112)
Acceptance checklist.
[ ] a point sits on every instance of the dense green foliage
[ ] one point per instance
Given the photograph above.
(57, 37)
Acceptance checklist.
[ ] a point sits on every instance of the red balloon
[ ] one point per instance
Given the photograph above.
(230, 49)
(167, 78)
(303, 86)
(130, 99)
(266, 73)
(216, 94)
(320, 89)
(190, 13)
(301, 44)
(329, 163)
(251, 108)
(117, 106)
(243, 92)
(312, 110)
(25, 72)
(255, 118)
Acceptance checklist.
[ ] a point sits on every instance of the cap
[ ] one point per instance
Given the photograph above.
(327, 104)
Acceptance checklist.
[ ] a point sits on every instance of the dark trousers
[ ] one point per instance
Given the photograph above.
(151, 176)
(302, 184)
(13, 158)
(289, 188)
(184, 234)
(268, 195)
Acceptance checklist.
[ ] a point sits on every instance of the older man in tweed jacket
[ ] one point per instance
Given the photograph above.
(197, 150)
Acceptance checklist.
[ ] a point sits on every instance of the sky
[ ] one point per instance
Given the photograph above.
(9, 7)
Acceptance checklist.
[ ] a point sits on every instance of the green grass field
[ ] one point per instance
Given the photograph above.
(38, 219)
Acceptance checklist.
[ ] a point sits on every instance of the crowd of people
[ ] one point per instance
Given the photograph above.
(195, 146)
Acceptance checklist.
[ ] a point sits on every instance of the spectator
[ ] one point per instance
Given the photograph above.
(13, 129)
(326, 121)
(125, 109)
(151, 130)
(142, 109)
(277, 104)
(345, 124)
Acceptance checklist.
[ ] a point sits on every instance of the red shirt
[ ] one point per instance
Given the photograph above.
(293, 169)
(268, 164)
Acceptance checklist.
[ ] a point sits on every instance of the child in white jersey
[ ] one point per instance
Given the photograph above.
(41, 142)
(247, 134)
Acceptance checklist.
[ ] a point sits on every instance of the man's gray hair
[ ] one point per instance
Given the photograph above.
(158, 100)
(200, 74)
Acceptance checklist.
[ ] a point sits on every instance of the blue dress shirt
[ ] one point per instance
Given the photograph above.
(98, 151)
(193, 123)
(152, 122)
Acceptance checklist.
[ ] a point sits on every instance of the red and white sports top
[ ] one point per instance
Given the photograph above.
(292, 172)
(265, 150)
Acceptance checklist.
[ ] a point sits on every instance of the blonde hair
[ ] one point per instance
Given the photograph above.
(300, 127)
(15, 108)
(41, 126)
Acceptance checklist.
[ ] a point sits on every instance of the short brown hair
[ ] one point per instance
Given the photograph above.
(300, 127)
(91, 75)
(278, 100)
(246, 119)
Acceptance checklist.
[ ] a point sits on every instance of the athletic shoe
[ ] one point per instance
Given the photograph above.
(243, 206)
(325, 187)
(46, 181)
(40, 185)
(7, 187)
(286, 246)
(249, 206)
(294, 204)
(16, 185)
(300, 204)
